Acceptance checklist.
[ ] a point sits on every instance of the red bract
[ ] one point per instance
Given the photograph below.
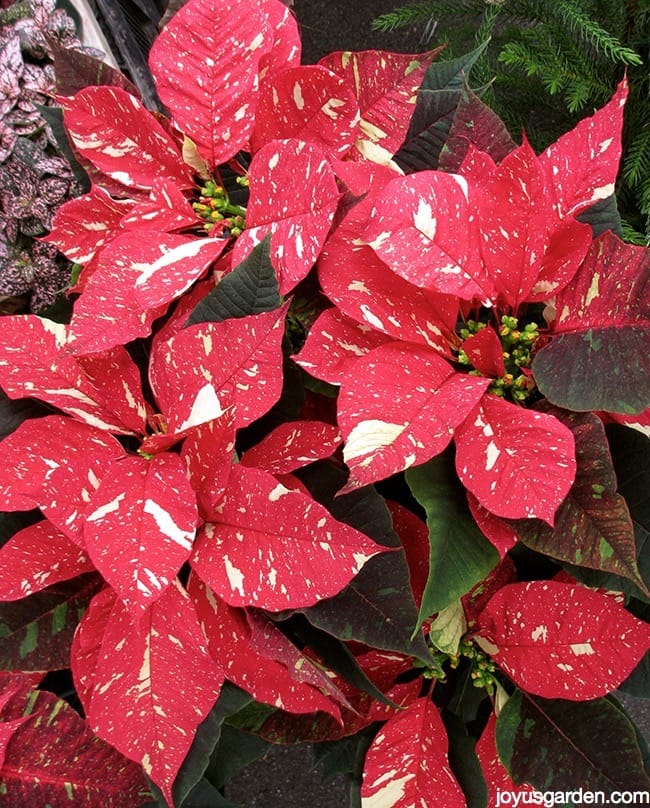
(562, 641)
(298, 222)
(140, 526)
(113, 130)
(207, 72)
(146, 686)
(385, 85)
(407, 763)
(274, 548)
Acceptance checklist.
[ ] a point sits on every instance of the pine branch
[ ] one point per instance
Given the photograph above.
(416, 13)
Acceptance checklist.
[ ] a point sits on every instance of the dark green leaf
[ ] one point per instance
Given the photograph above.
(338, 658)
(438, 98)
(464, 761)
(340, 757)
(638, 682)
(377, 607)
(250, 288)
(603, 216)
(593, 527)
(460, 556)
(36, 632)
(54, 117)
(204, 794)
(235, 750)
(564, 745)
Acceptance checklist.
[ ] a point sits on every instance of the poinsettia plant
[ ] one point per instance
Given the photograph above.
(342, 442)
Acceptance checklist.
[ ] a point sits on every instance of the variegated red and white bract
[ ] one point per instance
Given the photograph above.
(270, 324)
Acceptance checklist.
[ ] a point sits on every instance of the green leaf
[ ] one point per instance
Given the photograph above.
(448, 628)
(250, 288)
(341, 756)
(603, 216)
(438, 98)
(589, 371)
(54, 117)
(377, 607)
(36, 632)
(338, 658)
(593, 527)
(235, 750)
(460, 556)
(562, 745)
(464, 761)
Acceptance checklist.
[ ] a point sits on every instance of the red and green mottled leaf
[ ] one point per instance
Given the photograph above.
(577, 740)
(385, 85)
(597, 358)
(48, 372)
(293, 445)
(562, 641)
(593, 527)
(146, 687)
(205, 64)
(37, 631)
(112, 129)
(37, 556)
(308, 103)
(423, 227)
(133, 283)
(53, 758)
(208, 367)
(583, 164)
(474, 123)
(293, 684)
(400, 408)
(274, 548)
(140, 525)
(495, 773)
(478, 596)
(298, 221)
(84, 225)
(55, 464)
(407, 763)
(377, 607)
(414, 536)
(518, 463)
